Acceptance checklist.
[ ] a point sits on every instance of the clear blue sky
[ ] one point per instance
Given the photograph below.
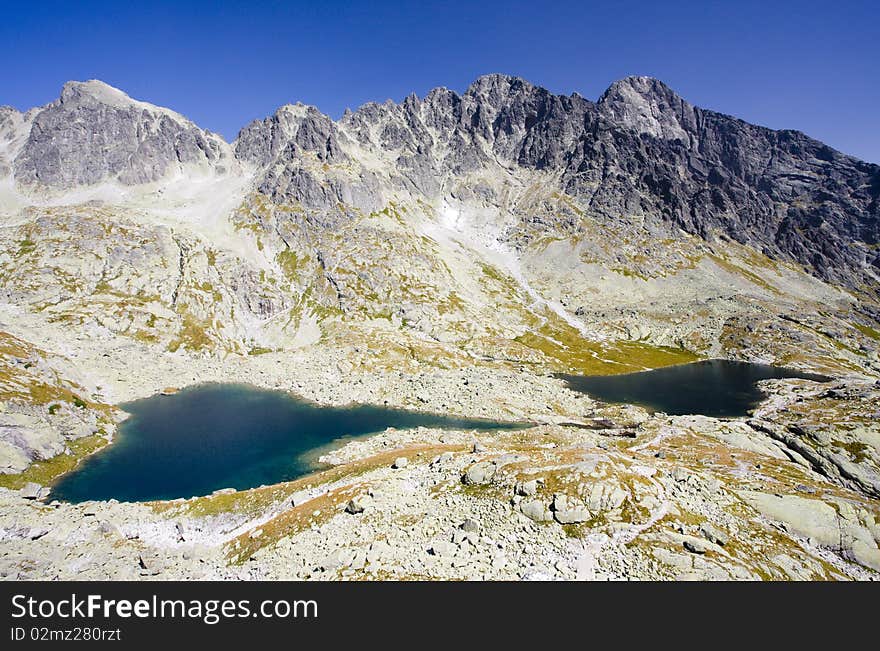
(813, 66)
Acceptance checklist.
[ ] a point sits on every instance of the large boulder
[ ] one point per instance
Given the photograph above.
(480, 473)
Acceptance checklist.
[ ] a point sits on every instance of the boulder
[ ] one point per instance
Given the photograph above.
(31, 491)
(536, 510)
(712, 534)
(527, 488)
(337, 559)
(356, 505)
(605, 496)
(300, 497)
(480, 473)
(443, 548)
(470, 526)
(807, 517)
(568, 511)
(695, 545)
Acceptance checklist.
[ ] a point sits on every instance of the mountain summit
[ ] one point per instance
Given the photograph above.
(639, 151)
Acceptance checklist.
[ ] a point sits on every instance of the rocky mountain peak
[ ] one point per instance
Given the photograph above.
(96, 91)
(95, 133)
(649, 106)
(495, 88)
(291, 130)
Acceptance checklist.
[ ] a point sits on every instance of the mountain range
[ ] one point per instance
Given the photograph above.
(453, 254)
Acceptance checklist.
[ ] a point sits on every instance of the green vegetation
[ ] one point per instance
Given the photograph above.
(145, 337)
(193, 334)
(857, 450)
(209, 288)
(46, 471)
(26, 246)
(868, 331)
(568, 350)
(290, 264)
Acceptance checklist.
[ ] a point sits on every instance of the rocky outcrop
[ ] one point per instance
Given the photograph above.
(641, 150)
(94, 132)
(639, 153)
(837, 529)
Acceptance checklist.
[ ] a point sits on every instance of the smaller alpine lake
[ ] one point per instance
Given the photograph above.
(215, 436)
(717, 387)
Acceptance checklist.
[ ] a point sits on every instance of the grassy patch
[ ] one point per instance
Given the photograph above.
(856, 449)
(290, 522)
(868, 331)
(568, 350)
(255, 501)
(193, 334)
(290, 264)
(26, 246)
(46, 471)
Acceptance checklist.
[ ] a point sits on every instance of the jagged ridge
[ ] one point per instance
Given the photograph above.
(639, 150)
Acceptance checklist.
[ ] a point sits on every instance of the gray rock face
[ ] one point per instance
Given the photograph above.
(640, 150)
(94, 132)
(837, 529)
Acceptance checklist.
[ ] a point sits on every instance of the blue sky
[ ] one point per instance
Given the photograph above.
(813, 66)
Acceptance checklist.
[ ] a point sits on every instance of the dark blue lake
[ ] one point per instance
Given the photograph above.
(226, 435)
(716, 387)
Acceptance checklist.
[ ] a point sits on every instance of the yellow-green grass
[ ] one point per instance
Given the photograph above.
(46, 471)
(567, 350)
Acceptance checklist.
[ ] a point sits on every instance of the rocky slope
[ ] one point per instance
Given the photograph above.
(446, 253)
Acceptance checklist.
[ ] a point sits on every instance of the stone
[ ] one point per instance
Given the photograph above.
(300, 497)
(443, 548)
(400, 462)
(568, 511)
(480, 473)
(865, 554)
(445, 457)
(378, 549)
(808, 517)
(713, 534)
(30, 491)
(695, 545)
(679, 474)
(356, 505)
(536, 510)
(35, 533)
(605, 496)
(470, 525)
(148, 565)
(337, 559)
(527, 488)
